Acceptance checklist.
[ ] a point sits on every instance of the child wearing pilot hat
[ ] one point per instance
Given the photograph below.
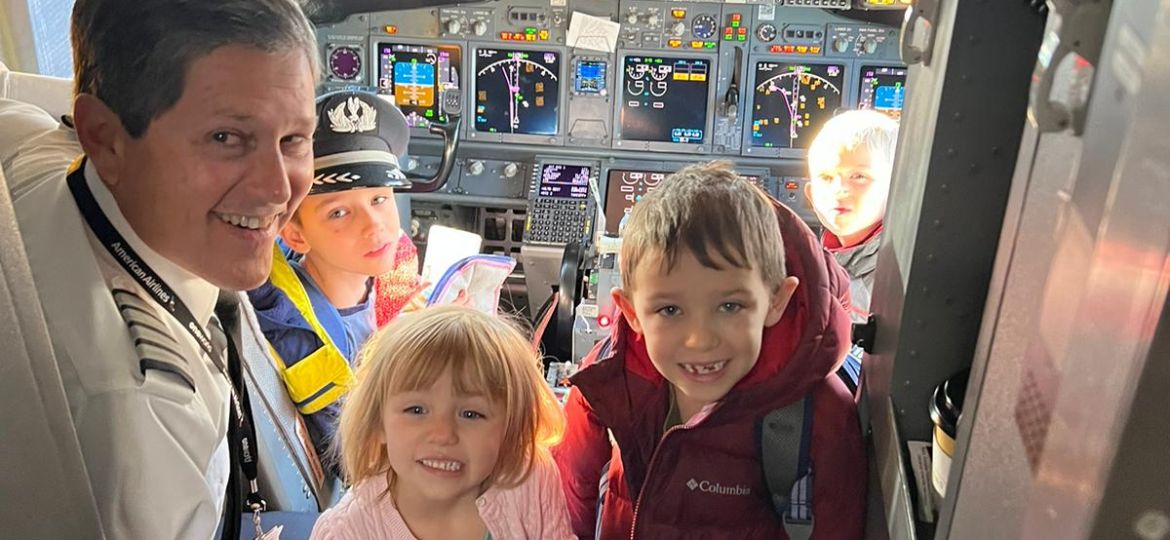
(357, 268)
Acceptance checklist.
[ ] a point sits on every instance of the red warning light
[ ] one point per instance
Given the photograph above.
(604, 321)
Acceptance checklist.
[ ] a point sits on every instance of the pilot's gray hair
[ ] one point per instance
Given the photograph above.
(134, 54)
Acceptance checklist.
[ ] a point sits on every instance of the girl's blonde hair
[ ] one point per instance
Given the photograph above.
(485, 354)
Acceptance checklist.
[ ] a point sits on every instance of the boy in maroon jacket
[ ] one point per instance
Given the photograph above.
(714, 334)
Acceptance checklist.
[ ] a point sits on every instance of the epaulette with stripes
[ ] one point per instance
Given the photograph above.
(156, 346)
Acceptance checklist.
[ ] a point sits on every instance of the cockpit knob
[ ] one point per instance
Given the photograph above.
(510, 170)
(841, 45)
(678, 28)
(869, 46)
(632, 17)
(475, 168)
(652, 19)
(454, 26)
(479, 27)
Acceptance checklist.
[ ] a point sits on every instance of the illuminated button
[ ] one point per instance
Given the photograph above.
(727, 36)
(802, 49)
(530, 30)
(390, 29)
(696, 44)
(505, 36)
(530, 37)
(791, 185)
(789, 49)
(775, 49)
(814, 50)
(735, 24)
(742, 31)
(678, 13)
(674, 43)
(543, 35)
(742, 37)
(735, 17)
(710, 45)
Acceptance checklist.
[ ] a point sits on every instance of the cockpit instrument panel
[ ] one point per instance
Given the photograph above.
(345, 64)
(589, 76)
(883, 89)
(793, 100)
(517, 91)
(564, 181)
(624, 189)
(417, 76)
(665, 99)
(560, 208)
(552, 83)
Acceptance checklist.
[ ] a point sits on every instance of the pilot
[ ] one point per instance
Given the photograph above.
(353, 259)
(196, 121)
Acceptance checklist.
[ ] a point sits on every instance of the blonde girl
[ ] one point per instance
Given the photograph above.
(445, 436)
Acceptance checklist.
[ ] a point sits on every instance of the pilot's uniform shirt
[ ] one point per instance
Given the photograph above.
(154, 447)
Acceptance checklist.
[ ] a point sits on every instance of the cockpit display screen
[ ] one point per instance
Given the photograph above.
(417, 75)
(564, 181)
(517, 91)
(792, 101)
(624, 188)
(883, 89)
(665, 99)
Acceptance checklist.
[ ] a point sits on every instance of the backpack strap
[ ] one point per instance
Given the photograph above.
(785, 441)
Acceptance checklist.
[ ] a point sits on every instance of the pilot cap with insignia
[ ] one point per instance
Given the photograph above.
(358, 141)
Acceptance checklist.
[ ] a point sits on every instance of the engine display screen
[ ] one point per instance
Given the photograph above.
(517, 91)
(792, 101)
(417, 76)
(624, 189)
(664, 99)
(883, 89)
(564, 181)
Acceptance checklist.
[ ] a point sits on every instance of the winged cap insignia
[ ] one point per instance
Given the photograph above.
(353, 116)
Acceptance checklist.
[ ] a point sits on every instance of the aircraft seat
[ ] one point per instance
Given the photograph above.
(42, 467)
(291, 477)
(52, 94)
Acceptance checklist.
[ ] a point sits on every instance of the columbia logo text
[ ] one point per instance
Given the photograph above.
(707, 486)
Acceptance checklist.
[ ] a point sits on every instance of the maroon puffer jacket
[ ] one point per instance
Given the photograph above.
(704, 480)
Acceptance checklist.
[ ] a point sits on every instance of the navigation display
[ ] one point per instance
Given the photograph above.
(517, 91)
(624, 189)
(664, 99)
(564, 181)
(792, 101)
(883, 89)
(417, 76)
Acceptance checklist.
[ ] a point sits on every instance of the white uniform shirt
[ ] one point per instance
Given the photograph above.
(155, 451)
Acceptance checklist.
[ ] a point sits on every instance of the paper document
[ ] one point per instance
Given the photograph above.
(445, 247)
(592, 33)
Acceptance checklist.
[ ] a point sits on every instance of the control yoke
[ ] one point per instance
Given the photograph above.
(450, 132)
